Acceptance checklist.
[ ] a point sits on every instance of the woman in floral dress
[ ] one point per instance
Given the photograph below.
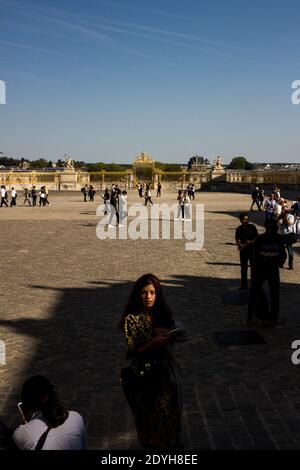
(156, 400)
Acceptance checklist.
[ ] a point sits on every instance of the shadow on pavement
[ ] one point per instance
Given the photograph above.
(80, 348)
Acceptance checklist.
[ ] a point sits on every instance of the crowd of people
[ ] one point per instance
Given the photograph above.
(30, 197)
(144, 190)
(267, 253)
(259, 200)
(115, 204)
(117, 198)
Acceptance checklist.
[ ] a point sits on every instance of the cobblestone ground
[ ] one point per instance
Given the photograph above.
(62, 295)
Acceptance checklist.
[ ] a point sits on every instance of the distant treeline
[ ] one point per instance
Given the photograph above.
(237, 163)
(99, 166)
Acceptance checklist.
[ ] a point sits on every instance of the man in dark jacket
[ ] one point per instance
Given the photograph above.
(245, 235)
(267, 254)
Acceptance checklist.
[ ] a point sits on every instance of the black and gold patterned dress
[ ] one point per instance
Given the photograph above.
(157, 405)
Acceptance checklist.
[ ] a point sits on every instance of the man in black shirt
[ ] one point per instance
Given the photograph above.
(114, 201)
(255, 199)
(34, 196)
(245, 235)
(267, 253)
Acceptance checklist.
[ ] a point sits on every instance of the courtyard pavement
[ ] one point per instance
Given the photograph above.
(63, 292)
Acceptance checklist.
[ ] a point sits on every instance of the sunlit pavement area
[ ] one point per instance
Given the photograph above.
(63, 292)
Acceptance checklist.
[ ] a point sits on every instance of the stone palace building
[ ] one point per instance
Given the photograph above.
(198, 171)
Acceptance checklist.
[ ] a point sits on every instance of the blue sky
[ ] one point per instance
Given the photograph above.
(105, 80)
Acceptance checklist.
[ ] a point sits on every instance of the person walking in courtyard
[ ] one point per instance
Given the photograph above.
(140, 189)
(267, 254)
(42, 194)
(187, 205)
(34, 196)
(296, 207)
(156, 390)
(193, 191)
(269, 206)
(287, 232)
(255, 199)
(296, 213)
(114, 207)
(47, 195)
(180, 199)
(26, 197)
(14, 195)
(106, 199)
(85, 191)
(277, 194)
(148, 196)
(261, 198)
(158, 194)
(3, 193)
(91, 193)
(279, 209)
(245, 235)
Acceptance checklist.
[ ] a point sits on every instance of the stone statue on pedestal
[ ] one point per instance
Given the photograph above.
(69, 163)
(68, 177)
(218, 164)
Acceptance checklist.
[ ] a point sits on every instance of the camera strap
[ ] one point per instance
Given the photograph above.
(42, 439)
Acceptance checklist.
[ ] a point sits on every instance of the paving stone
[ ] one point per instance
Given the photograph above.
(61, 317)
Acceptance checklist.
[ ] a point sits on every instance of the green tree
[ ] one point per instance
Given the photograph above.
(107, 166)
(8, 161)
(166, 167)
(240, 163)
(39, 163)
(79, 164)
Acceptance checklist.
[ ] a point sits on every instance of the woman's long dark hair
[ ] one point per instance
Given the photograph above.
(161, 313)
(38, 394)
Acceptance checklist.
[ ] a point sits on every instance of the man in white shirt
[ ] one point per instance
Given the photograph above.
(46, 422)
(13, 201)
(278, 211)
(3, 196)
(68, 436)
(148, 196)
(277, 194)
